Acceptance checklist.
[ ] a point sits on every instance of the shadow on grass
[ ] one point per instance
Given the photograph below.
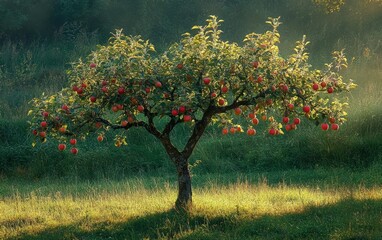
(348, 219)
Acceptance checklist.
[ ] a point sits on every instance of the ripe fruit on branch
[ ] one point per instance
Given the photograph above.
(147, 90)
(284, 88)
(285, 120)
(61, 147)
(323, 84)
(251, 132)
(255, 64)
(158, 84)
(182, 109)
(264, 117)
(207, 80)
(290, 106)
(221, 101)
(330, 90)
(92, 65)
(306, 109)
(232, 130)
(224, 131)
(100, 138)
(65, 108)
(124, 123)
(45, 114)
(42, 134)
(213, 95)
(84, 85)
(296, 121)
(34, 132)
(104, 83)
(224, 89)
(98, 125)
(179, 66)
(272, 131)
(325, 126)
(315, 86)
(73, 141)
(259, 79)
(93, 99)
(44, 124)
(174, 112)
(255, 121)
(74, 151)
(238, 111)
(187, 118)
(114, 108)
(80, 91)
(332, 120)
(251, 115)
(288, 127)
(121, 90)
(104, 89)
(335, 126)
(140, 108)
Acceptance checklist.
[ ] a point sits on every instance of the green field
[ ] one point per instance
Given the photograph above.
(299, 204)
(307, 184)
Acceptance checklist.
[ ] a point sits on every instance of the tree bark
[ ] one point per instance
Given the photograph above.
(184, 200)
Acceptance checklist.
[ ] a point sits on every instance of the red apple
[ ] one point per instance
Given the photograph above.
(114, 108)
(224, 89)
(285, 120)
(44, 124)
(255, 121)
(45, 114)
(34, 132)
(251, 132)
(74, 151)
(259, 79)
(290, 106)
(148, 90)
(65, 108)
(187, 118)
(119, 106)
(306, 109)
(43, 134)
(84, 85)
(62, 130)
(225, 131)
(315, 86)
(332, 120)
(330, 90)
(325, 126)
(121, 90)
(288, 127)
(124, 123)
(213, 95)
(158, 84)
(323, 84)
(182, 109)
(104, 83)
(140, 108)
(237, 111)
(179, 66)
(92, 65)
(80, 91)
(75, 88)
(93, 99)
(273, 88)
(232, 130)
(284, 88)
(174, 112)
(61, 147)
(251, 115)
(272, 131)
(98, 124)
(100, 138)
(335, 126)
(221, 101)
(296, 121)
(255, 64)
(104, 89)
(73, 141)
(206, 80)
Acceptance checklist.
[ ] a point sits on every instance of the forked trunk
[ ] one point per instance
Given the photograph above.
(184, 200)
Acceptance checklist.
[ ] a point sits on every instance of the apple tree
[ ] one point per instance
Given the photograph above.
(198, 81)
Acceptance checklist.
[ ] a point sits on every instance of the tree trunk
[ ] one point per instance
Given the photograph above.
(184, 200)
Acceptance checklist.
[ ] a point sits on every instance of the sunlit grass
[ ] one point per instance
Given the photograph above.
(41, 209)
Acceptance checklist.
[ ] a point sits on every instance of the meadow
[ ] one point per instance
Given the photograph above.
(307, 184)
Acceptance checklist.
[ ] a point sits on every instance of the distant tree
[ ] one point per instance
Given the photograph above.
(199, 81)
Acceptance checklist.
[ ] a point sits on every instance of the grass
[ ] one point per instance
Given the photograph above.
(299, 204)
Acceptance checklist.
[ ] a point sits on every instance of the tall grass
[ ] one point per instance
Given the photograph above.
(322, 205)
